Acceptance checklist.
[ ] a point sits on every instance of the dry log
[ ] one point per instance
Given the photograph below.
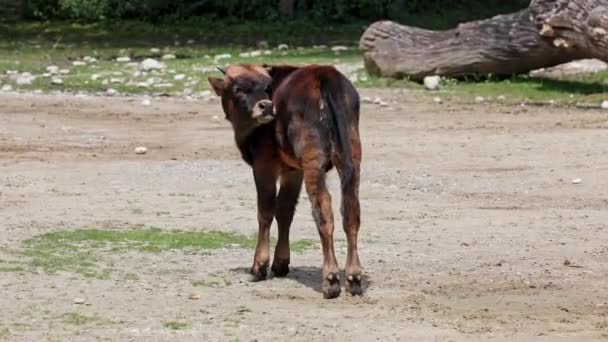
(548, 33)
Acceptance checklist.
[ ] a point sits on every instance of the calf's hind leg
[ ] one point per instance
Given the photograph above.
(320, 199)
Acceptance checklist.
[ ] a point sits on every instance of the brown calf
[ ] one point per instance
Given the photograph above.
(292, 125)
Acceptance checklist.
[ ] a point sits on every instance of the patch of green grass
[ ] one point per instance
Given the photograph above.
(78, 251)
(75, 318)
(302, 245)
(11, 268)
(589, 88)
(175, 325)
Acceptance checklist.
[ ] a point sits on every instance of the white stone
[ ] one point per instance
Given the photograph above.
(79, 63)
(56, 81)
(367, 100)
(283, 47)
(141, 150)
(151, 64)
(256, 53)
(116, 80)
(479, 99)
(438, 100)
(111, 92)
(179, 77)
(146, 102)
(79, 300)
(219, 57)
(169, 56)
(155, 50)
(338, 48)
(25, 79)
(64, 71)
(89, 59)
(124, 59)
(604, 104)
(164, 85)
(95, 77)
(143, 85)
(53, 69)
(7, 87)
(432, 82)
(577, 181)
(267, 52)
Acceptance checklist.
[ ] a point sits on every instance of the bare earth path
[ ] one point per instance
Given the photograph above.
(469, 213)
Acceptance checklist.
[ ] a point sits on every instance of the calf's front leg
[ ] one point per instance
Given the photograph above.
(265, 182)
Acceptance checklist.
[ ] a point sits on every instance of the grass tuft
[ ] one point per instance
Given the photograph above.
(174, 325)
(75, 318)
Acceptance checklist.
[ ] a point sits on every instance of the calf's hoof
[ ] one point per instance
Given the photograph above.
(353, 285)
(331, 286)
(259, 272)
(280, 268)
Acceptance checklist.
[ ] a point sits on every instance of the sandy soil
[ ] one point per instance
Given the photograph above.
(469, 212)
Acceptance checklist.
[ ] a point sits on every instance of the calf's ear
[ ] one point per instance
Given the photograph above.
(217, 85)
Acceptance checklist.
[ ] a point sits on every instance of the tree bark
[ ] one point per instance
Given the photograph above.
(548, 33)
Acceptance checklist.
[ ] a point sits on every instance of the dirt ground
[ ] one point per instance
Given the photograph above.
(469, 214)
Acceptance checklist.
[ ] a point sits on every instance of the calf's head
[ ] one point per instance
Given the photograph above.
(245, 92)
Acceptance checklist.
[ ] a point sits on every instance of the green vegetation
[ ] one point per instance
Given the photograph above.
(80, 251)
(319, 11)
(75, 318)
(175, 325)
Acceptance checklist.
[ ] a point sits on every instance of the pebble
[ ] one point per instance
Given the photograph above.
(89, 59)
(367, 100)
(501, 98)
(154, 50)
(64, 71)
(283, 47)
(79, 300)
(95, 77)
(438, 100)
(78, 63)
(56, 81)
(194, 296)
(219, 57)
(377, 100)
(116, 80)
(338, 48)
(479, 99)
(267, 52)
(151, 64)
(25, 79)
(604, 104)
(179, 77)
(7, 87)
(577, 181)
(124, 59)
(146, 102)
(141, 150)
(432, 82)
(111, 92)
(53, 69)
(169, 56)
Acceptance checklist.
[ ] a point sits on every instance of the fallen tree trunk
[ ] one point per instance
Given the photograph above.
(548, 33)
